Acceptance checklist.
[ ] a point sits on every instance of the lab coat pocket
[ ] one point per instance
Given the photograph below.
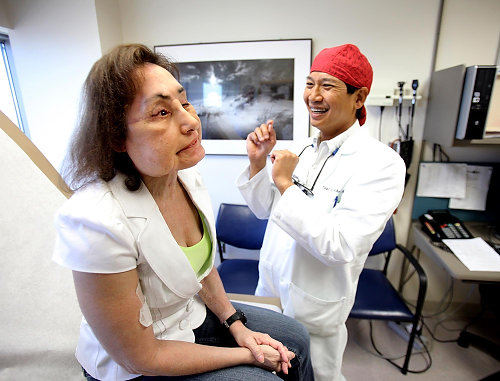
(320, 317)
(266, 285)
(329, 198)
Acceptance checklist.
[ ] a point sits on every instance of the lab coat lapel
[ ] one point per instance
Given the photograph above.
(346, 153)
(352, 143)
(155, 241)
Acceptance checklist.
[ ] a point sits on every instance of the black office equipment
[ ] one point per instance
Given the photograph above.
(488, 285)
(491, 215)
(441, 224)
(476, 95)
(405, 142)
(459, 104)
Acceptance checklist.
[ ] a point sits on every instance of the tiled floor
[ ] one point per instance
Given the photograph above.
(449, 361)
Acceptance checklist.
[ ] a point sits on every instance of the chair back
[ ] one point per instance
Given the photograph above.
(387, 240)
(237, 226)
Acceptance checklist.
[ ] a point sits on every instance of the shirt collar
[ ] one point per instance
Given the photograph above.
(338, 140)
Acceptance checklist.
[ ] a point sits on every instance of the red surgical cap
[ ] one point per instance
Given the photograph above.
(348, 64)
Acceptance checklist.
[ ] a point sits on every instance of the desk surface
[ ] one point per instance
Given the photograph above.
(448, 260)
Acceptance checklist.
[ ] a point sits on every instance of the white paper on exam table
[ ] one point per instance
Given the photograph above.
(478, 183)
(442, 180)
(475, 254)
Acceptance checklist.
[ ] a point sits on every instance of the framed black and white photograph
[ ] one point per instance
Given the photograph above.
(236, 86)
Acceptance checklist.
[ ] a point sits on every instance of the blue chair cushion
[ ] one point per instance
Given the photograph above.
(377, 299)
(239, 276)
(237, 226)
(386, 241)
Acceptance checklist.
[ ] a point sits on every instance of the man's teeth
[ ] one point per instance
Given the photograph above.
(318, 110)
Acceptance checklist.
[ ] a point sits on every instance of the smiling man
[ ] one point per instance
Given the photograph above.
(327, 201)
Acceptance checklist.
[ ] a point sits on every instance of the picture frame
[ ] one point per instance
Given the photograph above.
(236, 86)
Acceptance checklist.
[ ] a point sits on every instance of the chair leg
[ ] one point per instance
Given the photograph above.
(221, 251)
(413, 334)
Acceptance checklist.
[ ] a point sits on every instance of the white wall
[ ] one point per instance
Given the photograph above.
(4, 16)
(109, 23)
(54, 44)
(397, 37)
(469, 35)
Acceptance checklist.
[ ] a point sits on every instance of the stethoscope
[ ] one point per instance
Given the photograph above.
(302, 187)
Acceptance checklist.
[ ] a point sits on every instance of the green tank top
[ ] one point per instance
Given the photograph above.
(199, 255)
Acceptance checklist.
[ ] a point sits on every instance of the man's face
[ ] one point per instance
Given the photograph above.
(331, 109)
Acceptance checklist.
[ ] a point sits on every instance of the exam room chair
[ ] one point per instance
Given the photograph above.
(377, 299)
(237, 226)
(39, 317)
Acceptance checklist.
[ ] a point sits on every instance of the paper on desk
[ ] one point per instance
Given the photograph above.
(475, 254)
(442, 180)
(478, 183)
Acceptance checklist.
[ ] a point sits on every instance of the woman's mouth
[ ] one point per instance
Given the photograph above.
(190, 145)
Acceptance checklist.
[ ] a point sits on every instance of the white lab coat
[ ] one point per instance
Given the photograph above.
(315, 248)
(105, 228)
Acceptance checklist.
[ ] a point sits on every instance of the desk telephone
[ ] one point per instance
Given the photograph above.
(440, 224)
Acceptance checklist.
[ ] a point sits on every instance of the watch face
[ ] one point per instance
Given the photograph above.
(243, 318)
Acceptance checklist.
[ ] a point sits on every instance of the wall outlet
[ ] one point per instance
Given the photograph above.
(404, 330)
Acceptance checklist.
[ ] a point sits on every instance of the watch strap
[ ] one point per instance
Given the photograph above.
(238, 315)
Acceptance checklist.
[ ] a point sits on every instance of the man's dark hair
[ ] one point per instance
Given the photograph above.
(350, 90)
(109, 90)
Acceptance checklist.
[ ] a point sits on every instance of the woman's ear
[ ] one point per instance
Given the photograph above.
(361, 95)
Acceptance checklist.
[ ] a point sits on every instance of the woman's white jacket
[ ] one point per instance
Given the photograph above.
(105, 228)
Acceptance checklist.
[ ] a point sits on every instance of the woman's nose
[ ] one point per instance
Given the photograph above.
(187, 121)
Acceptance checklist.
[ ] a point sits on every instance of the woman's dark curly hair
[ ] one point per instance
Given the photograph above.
(108, 92)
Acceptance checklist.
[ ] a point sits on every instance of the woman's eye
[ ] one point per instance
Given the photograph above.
(161, 112)
(186, 105)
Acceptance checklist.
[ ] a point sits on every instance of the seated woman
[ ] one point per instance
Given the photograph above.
(139, 236)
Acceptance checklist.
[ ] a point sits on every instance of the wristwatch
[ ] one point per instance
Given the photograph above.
(238, 315)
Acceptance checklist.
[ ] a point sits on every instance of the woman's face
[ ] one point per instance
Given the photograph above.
(163, 129)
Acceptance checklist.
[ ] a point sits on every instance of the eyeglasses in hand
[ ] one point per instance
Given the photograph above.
(309, 192)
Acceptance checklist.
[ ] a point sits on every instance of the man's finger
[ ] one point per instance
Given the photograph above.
(275, 154)
(253, 137)
(266, 131)
(258, 132)
(270, 124)
(272, 133)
